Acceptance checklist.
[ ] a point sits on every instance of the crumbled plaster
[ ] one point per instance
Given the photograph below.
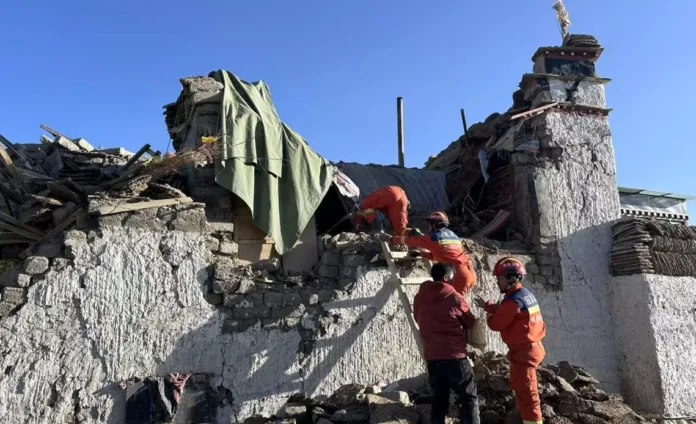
(133, 303)
(655, 334)
(573, 187)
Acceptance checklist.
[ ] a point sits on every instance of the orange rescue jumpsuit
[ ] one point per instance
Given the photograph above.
(446, 247)
(518, 319)
(392, 202)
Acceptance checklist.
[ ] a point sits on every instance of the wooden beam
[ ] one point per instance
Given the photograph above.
(135, 158)
(533, 112)
(54, 232)
(128, 207)
(19, 224)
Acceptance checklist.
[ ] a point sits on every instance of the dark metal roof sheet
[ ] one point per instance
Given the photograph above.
(426, 190)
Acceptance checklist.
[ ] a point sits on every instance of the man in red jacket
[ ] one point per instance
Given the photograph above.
(518, 318)
(443, 316)
(392, 202)
(444, 246)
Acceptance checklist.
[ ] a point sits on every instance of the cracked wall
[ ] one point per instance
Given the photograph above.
(133, 302)
(568, 194)
(656, 334)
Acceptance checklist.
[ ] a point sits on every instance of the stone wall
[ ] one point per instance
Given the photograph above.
(138, 295)
(567, 195)
(655, 327)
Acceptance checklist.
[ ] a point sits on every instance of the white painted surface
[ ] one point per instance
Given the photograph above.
(123, 311)
(656, 340)
(578, 200)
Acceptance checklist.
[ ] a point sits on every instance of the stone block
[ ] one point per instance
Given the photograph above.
(254, 312)
(331, 258)
(213, 244)
(49, 249)
(353, 260)
(237, 325)
(558, 272)
(246, 286)
(313, 299)
(328, 271)
(23, 280)
(292, 411)
(273, 299)
(346, 283)
(225, 286)
(6, 308)
(546, 270)
(9, 278)
(325, 295)
(66, 143)
(83, 144)
(190, 220)
(532, 269)
(75, 237)
(256, 299)
(268, 265)
(229, 248)
(14, 295)
(290, 323)
(35, 265)
(214, 298)
(540, 279)
(288, 312)
(224, 269)
(349, 273)
(232, 300)
(60, 264)
(272, 323)
(292, 299)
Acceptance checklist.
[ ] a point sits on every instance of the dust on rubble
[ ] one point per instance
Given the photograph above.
(568, 395)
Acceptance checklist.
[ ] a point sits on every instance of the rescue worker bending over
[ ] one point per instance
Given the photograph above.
(519, 321)
(444, 246)
(392, 202)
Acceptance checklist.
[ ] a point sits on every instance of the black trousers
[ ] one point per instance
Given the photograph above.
(458, 376)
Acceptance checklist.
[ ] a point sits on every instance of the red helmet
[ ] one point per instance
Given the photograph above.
(438, 217)
(509, 266)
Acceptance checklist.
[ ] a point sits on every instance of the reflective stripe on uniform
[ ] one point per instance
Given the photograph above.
(366, 211)
(449, 241)
(534, 310)
(532, 422)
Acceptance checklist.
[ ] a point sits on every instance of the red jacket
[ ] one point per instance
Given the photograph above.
(518, 318)
(445, 246)
(442, 315)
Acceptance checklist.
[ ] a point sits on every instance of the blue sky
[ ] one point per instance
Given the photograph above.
(103, 69)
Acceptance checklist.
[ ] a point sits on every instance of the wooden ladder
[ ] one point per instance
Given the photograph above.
(391, 257)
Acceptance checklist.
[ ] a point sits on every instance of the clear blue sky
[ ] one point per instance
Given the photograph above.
(103, 69)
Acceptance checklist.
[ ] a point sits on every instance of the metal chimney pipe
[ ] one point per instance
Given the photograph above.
(400, 128)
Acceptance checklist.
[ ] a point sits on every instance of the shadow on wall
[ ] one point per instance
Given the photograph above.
(254, 367)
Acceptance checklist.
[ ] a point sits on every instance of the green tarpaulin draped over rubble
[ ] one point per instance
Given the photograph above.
(268, 165)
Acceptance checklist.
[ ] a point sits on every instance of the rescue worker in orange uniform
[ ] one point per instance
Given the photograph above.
(392, 202)
(444, 246)
(518, 319)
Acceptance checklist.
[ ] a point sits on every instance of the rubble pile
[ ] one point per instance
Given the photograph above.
(47, 186)
(642, 246)
(568, 394)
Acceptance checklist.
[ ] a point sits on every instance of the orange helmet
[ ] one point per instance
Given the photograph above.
(438, 217)
(508, 267)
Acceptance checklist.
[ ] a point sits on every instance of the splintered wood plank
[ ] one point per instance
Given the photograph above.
(127, 207)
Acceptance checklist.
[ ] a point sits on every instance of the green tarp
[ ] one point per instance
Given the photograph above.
(268, 165)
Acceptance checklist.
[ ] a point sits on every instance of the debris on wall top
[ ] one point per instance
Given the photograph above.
(644, 246)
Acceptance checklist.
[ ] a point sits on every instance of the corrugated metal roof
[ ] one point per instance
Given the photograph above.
(627, 190)
(426, 190)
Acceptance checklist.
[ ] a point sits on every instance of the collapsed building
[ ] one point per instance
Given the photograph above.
(226, 270)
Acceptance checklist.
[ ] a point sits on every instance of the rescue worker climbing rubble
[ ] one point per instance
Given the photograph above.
(518, 319)
(389, 200)
(444, 246)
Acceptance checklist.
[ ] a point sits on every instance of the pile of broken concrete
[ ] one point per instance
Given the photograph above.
(568, 394)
